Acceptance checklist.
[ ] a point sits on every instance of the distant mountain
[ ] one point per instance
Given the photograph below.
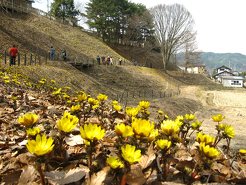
(236, 61)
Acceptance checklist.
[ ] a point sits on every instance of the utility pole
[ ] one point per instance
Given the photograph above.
(48, 6)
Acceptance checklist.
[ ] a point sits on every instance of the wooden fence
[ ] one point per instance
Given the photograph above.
(147, 94)
(23, 59)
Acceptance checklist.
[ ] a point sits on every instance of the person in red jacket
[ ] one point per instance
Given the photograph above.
(13, 53)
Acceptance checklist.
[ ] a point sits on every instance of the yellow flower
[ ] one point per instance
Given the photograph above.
(142, 127)
(130, 154)
(209, 152)
(82, 97)
(179, 118)
(42, 81)
(144, 104)
(169, 127)
(115, 102)
(153, 134)
(196, 125)
(218, 117)
(123, 130)
(6, 77)
(131, 111)
(53, 81)
(163, 144)
(220, 126)
(33, 131)
(117, 107)
(160, 112)
(189, 117)
(75, 108)
(95, 106)
(92, 132)
(229, 131)
(65, 96)
(93, 101)
(28, 119)
(115, 162)
(57, 92)
(102, 97)
(242, 151)
(41, 146)
(67, 123)
(204, 138)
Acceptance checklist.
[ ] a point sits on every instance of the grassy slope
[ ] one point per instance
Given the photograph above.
(37, 33)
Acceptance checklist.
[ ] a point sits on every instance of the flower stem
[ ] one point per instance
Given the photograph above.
(123, 180)
(39, 168)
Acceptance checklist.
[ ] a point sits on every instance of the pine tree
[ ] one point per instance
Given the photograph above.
(64, 9)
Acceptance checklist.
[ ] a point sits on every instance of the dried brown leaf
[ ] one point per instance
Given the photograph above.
(28, 175)
(135, 176)
(99, 177)
(148, 158)
(74, 140)
(66, 177)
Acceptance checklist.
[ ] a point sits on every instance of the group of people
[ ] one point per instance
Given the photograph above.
(52, 54)
(13, 52)
(106, 60)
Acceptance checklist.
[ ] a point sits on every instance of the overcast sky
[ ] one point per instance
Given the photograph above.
(220, 24)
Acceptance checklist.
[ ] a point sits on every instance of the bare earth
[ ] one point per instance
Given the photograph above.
(230, 103)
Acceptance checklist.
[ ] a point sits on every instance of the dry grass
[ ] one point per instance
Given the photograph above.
(35, 34)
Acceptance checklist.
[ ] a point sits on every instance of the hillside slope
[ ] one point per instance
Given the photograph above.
(36, 34)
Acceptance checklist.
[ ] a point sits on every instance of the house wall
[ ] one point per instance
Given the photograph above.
(232, 83)
(194, 70)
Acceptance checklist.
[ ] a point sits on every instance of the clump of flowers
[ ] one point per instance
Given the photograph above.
(41, 146)
(208, 151)
(33, 131)
(218, 118)
(132, 111)
(116, 106)
(142, 127)
(115, 162)
(170, 128)
(102, 97)
(28, 119)
(124, 130)
(205, 138)
(163, 144)
(67, 123)
(75, 108)
(92, 132)
(130, 154)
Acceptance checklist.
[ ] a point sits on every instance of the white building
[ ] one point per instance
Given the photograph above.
(232, 81)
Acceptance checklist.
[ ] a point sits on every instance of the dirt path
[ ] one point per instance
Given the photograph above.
(230, 103)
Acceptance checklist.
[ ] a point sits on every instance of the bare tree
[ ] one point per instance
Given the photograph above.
(173, 26)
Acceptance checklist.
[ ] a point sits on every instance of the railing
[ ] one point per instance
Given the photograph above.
(147, 94)
(23, 59)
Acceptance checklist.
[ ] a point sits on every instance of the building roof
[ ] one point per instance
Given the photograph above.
(223, 67)
(217, 74)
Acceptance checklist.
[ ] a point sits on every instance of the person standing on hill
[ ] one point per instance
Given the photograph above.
(64, 55)
(13, 51)
(52, 53)
(98, 59)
